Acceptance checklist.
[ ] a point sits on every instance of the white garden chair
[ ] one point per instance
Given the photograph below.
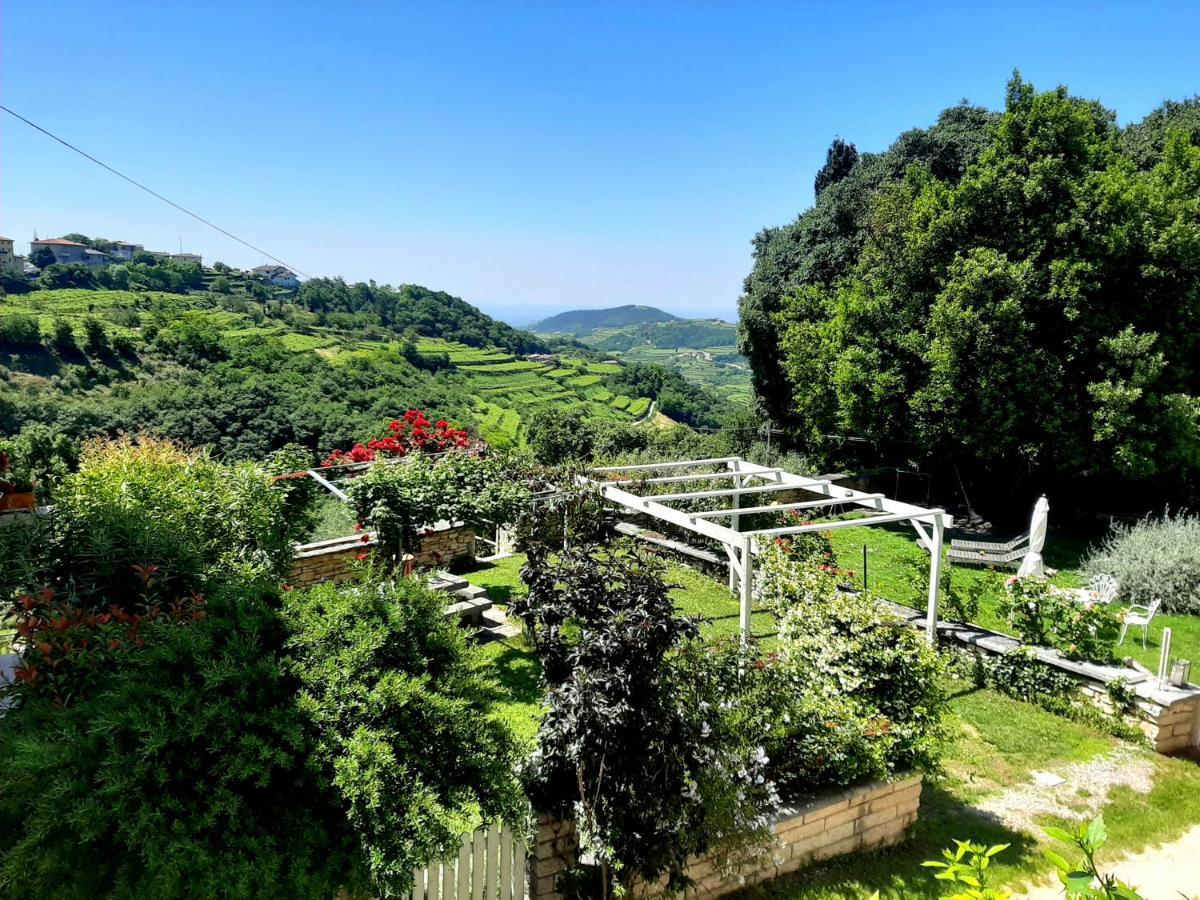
(1105, 587)
(1138, 614)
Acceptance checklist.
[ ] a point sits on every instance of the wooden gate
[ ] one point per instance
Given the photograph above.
(490, 866)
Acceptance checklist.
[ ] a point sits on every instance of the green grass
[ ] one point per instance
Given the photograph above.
(334, 519)
(897, 568)
(993, 743)
(638, 407)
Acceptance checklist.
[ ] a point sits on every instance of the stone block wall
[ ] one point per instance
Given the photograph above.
(1168, 716)
(443, 546)
(866, 817)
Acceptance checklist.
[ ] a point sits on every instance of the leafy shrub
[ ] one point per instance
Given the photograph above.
(850, 648)
(645, 742)
(41, 456)
(95, 341)
(147, 503)
(399, 721)
(1023, 676)
(1046, 617)
(63, 337)
(19, 331)
(854, 688)
(396, 500)
(67, 650)
(184, 772)
(1155, 559)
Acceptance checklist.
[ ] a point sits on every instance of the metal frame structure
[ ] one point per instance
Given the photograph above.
(748, 479)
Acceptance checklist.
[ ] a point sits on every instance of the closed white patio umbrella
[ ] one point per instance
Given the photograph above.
(1032, 564)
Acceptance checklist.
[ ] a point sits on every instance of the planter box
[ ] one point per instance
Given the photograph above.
(862, 818)
(22, 500)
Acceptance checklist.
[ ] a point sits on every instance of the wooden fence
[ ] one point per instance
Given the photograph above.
(490, 866)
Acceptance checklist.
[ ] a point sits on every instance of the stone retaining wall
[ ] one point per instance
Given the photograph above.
(442, 546)
(1169, 715)
(866, 817)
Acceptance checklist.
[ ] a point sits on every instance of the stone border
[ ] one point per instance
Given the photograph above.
(866, 817)
(1169, 716)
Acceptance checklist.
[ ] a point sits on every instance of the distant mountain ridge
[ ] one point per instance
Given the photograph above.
(585, 321)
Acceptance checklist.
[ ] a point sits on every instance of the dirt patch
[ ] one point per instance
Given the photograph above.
(1082, 794)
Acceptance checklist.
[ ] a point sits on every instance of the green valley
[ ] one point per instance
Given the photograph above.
(704, 351)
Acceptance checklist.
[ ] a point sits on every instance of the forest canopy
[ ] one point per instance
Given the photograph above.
(1015, 295)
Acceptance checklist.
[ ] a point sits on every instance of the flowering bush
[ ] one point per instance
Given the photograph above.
(853, 690)
(1154, 559)
(1047, 617)
(413, 433)
(12, 480)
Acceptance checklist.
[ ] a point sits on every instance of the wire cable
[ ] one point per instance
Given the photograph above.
(153, 193)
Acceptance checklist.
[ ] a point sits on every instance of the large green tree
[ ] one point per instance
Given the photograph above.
(1034, 316)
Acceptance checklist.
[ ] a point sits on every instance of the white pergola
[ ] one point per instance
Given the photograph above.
(620, 485)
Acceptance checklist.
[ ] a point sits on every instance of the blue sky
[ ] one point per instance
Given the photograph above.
(528, 157)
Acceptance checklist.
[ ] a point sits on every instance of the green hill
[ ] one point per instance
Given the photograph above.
(703, 351)
(322, 369)
(580, 322)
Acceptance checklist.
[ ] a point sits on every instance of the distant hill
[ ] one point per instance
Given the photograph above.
(585, 321)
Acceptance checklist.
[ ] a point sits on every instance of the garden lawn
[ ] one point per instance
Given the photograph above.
(898, 570)
(994, 744)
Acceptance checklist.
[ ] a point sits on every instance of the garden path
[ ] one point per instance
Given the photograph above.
(1170, 870)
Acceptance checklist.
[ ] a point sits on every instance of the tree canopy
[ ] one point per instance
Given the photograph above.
(1015, 295)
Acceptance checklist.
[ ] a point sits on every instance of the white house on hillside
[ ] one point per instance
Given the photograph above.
(71, 252)
(280, 276)
(124, 250)
(187, 258)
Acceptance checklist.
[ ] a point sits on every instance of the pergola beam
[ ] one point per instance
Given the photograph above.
(739, 545)
(701, 476)
(840, 523)
(683, 464)
(738, 492)
(782, 507)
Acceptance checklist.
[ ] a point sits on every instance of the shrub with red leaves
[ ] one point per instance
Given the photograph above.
(63, 645)
(413, 433)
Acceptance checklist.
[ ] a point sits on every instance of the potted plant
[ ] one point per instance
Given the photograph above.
(16, 489)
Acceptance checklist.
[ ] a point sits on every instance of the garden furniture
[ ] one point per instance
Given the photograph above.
(1102, 589)
(1138, 614)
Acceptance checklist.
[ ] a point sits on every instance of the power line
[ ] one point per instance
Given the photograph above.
(153, 193)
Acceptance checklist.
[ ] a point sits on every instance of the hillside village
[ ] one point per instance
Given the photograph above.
(99, 253)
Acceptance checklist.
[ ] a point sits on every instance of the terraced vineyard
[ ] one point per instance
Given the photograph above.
(510, 389)
(702, 350)
(505, 389)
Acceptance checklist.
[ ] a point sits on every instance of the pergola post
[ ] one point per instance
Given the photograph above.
(747, 584)
(938, 528)
(733, 520)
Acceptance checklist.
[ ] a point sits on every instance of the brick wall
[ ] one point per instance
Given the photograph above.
(442, 546)
(866, 817)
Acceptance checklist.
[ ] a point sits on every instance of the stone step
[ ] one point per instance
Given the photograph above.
(471, 592)
(468, 612)
(496, 626)
(444, 581)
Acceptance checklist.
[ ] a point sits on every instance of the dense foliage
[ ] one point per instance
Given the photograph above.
(645, 747)
(181, 727)
(400, 722)
(855, 690)
(411, 308)
(1012, 294)
(1154, 559)
(146, 503)
(396, 501)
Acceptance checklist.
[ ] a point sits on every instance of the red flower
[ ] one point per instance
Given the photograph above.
(365, 538)
(361, 556)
